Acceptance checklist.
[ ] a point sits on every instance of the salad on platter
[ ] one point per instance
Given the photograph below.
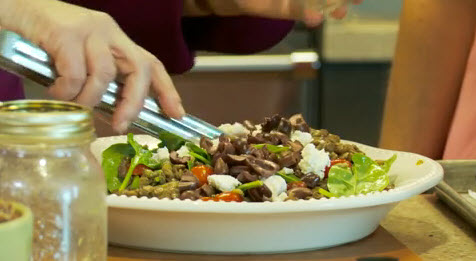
(281, 159)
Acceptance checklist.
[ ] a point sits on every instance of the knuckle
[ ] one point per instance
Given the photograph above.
(107, 72)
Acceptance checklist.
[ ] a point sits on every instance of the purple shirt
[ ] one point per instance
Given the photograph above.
(159, 27)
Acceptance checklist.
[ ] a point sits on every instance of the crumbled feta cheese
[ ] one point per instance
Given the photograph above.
(287, 171)
(277, 185)
(162, 154)
(183, 151)
(314, 161)
(215, 142)
(281, 197)
(223, 182)
(234, 129)
(303, 137)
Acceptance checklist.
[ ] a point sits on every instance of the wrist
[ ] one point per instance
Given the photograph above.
(211, 7)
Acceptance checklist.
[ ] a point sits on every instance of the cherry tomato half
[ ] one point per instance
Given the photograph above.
(139, 170)
(202, 172)
(296, 184)
(334, 162)
(225, 196)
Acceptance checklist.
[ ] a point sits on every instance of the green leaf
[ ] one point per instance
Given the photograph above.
(171, 141)
(288, 177)
(142, 156)
(326, 193)
(365, 176)
(272, 148)
(135, 182)
(191, 163)
(111, 159)
(250, 185)
(199, 153)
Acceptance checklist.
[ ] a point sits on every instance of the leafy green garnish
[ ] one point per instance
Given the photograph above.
(272, 148)
(142, 156)
(171, 141)
(199, 153)
(250, 185)
(326, 193)
(135, 182)
(191, 163)
(111, 159)
(288, 177)
(364, 177)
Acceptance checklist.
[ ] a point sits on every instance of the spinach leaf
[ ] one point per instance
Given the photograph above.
(272, 148)
(364, 177)
(142, 156)
(199, 153)
(111, 159)
(171, 141)
(135, 182)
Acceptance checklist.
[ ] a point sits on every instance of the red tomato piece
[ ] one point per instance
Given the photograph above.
(229, 196)
(334, 162)
(202, 172)
(225, 196)
(296, 184)
(139, 170)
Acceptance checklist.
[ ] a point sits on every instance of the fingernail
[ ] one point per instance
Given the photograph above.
(181, 110)
(122, 127)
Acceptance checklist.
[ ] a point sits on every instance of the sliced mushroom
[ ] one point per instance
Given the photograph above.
(298, 123)
(299, 193)
(217, 156)
(256, 139)
(311, 180)
(245, 177)
(271, 123)
(295, 146)
(281, 137)
(289, 159)
(240, 145)
(175, 159)
(207, 145)
(259, 194)
(189, 194)
(265, 168)
(236, 170)
(188, 181)
(206, 191)
(231, 159)
(285, 126)
(220, 167)
(258, 153)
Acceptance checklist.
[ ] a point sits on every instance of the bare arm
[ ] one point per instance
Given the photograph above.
(432, 50)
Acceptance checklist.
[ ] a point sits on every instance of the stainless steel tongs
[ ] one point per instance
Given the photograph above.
(21, 57)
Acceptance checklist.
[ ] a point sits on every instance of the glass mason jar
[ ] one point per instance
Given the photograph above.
(46, 164)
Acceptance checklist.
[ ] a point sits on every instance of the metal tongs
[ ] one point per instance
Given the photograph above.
(21, 57)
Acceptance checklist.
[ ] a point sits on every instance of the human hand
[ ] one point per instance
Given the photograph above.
(88, 49)
(308, 11)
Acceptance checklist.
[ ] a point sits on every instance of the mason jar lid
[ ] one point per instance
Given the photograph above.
(45, 121)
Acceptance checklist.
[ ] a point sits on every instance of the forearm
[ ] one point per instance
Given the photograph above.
(432, 49)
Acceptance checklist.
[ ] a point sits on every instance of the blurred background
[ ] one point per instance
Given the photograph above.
(336, 75)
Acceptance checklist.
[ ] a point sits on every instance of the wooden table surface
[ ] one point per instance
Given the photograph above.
(420, 228)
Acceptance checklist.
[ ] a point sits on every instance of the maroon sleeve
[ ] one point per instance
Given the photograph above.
(10, 87)
(240, 35)
(159, 27)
